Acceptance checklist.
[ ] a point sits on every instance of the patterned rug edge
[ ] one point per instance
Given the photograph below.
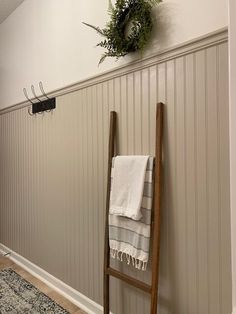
(18, 295)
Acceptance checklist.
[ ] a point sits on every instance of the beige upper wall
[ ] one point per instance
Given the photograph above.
(45, 40)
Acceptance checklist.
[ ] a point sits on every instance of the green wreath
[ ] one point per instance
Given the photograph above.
(129, 28)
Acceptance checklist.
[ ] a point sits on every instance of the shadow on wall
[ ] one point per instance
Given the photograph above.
(164, 26)
(162, 33)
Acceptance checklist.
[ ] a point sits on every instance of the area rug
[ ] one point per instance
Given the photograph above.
(19, 296)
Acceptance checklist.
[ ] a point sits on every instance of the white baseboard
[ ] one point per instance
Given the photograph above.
(68, 292)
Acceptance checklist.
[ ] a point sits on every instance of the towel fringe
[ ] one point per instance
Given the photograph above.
(122, 256)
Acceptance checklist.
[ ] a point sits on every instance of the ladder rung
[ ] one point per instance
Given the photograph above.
(132, 281)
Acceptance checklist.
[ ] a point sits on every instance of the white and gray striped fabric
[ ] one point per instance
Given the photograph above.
(129, 239)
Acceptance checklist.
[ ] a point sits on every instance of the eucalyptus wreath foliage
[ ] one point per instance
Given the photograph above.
(129, 28)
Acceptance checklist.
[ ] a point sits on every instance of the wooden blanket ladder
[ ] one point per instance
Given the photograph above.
(152, 289)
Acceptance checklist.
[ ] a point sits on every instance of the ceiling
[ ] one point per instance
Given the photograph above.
(7, 7)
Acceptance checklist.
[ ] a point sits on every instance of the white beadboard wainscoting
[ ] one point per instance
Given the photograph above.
(53, 178)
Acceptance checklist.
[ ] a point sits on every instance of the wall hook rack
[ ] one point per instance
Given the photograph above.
(40, 106)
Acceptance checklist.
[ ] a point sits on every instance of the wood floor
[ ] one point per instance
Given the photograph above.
(66, 304)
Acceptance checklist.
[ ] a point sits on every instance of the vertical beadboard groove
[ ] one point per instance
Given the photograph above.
(191, 248)
(84, 171)
(196, 192)
(176, 295)
(53, 182)
(185, 180)
(219, 176)
(165, 210)
(201, 172)
(213, 180)
(169, 172)
(224, 157)
(206, 174)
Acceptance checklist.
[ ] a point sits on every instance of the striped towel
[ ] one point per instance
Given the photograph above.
(129, 239)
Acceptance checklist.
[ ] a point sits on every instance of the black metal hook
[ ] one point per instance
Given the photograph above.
(44, 94)
(42, 90)
(42, 105)
(26, 95)
(33, 92)
(30, 113)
